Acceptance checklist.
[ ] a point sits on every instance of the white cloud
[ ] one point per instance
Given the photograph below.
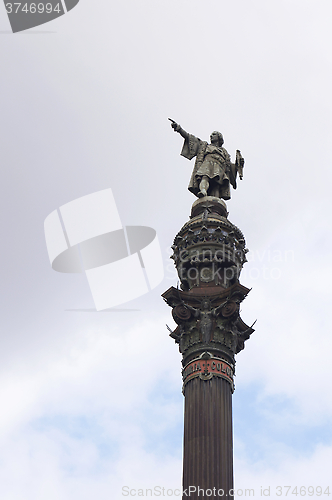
(84, 420)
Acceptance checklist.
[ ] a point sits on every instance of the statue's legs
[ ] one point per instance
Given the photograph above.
(204, 186)
(215, 191)
(225, 191)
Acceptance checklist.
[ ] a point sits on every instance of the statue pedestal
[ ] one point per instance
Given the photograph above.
(209, 203)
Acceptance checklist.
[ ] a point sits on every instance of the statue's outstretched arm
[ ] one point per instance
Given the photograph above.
(190, 308)
(216, 310)
(177, 128)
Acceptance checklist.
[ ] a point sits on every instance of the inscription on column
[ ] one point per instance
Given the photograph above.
(205, 369)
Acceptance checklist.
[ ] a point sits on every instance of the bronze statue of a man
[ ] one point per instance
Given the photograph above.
(213, 171)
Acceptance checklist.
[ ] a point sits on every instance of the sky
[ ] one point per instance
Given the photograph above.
(91, 401)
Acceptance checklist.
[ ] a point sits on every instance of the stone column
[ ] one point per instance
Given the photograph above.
(209, 252)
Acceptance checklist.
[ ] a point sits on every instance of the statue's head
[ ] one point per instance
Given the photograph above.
(217, 138)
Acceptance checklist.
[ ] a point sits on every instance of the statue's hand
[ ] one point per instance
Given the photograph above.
(175, 126)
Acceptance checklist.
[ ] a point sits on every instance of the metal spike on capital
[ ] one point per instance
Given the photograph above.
(209, 253)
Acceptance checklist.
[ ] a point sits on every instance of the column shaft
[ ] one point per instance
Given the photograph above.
(208, 441)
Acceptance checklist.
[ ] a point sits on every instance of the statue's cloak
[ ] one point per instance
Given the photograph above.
(212, 161)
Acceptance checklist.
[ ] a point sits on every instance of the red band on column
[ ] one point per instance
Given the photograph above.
(205, 369)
